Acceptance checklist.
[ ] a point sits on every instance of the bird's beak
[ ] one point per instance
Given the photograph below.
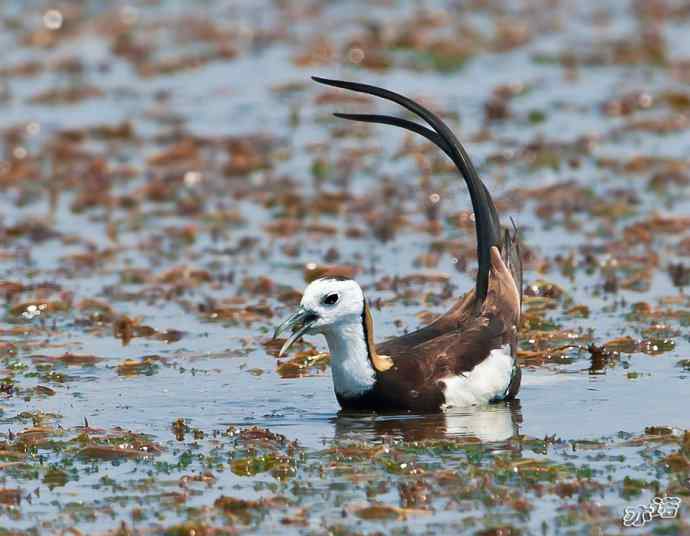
(300, 322)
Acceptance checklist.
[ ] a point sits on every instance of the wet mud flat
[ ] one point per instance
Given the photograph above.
(170, 178)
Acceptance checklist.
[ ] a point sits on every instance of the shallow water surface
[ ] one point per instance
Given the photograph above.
(169, 177)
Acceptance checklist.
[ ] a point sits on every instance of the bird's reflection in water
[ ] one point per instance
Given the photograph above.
(493, 423)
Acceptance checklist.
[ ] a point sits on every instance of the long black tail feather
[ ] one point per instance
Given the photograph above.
(428, 134)
(487, 223)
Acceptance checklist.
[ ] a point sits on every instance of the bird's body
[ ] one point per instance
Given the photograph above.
(465, 357)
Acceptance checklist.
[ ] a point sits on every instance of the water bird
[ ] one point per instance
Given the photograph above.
(465, 357)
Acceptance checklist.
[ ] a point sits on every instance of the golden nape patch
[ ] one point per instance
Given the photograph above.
(381, 363)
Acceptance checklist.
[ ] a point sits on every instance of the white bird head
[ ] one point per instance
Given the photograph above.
(327, 304)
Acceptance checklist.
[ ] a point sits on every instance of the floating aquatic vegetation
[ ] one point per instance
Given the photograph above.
(31, 310)
(163, 199)
(303, 364)
(147, 366)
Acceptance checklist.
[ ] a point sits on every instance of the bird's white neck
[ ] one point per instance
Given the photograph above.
(353, 374)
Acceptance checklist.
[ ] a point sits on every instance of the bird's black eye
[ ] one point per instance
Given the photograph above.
(330, 299)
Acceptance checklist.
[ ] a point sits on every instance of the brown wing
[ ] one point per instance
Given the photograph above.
(442, 352)
(465, 310)
(453, 320)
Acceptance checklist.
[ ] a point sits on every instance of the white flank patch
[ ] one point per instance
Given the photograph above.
(486, 381)
(352, 372)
